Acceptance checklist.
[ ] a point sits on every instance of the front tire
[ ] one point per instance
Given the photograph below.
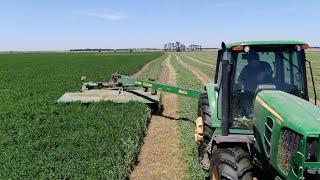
(204, 130)
(231, 164)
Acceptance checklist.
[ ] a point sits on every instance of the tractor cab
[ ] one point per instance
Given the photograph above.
(246, 68)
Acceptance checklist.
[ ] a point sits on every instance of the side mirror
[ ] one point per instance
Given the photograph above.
(223, 45)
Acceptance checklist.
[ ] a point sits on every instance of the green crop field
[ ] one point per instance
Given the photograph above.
(40, 138)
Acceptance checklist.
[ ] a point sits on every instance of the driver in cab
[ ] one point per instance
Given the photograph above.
(255, 73)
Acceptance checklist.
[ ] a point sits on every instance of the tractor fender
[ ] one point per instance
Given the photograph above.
(231, 139)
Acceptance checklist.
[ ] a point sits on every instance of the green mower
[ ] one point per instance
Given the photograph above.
(254, 121)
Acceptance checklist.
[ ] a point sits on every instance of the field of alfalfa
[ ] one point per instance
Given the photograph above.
(43, 139)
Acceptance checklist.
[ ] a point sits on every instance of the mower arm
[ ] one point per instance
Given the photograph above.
(129, 81)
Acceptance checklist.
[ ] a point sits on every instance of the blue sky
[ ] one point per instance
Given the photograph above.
(65, 24)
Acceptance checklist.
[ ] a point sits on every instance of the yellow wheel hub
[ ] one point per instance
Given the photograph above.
(214, 173)
(199, 130)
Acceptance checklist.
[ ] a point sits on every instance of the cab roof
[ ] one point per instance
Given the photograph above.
(256, 43)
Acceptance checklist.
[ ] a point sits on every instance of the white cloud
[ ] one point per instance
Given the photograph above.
(107, 15)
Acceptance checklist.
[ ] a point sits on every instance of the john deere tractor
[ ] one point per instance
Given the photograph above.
(255, 120)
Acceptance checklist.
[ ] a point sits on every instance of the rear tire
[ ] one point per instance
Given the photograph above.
(231, 164)
(207, 130)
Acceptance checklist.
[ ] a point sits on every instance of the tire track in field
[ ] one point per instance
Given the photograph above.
(199, 57)
(197, 72)
(198, 60)
(204, 59)
(143, 69)
(160, 156)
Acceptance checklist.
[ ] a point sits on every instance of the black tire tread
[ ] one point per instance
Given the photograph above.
(245, 170)
(242, 156)
(229, 163)
(205, 112)
(232, 163)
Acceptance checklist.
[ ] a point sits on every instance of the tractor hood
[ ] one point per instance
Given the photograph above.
(291, 111)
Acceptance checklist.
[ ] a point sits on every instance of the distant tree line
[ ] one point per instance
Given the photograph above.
(179, 47)
(115, 50)
(88, 49)
(174, 46)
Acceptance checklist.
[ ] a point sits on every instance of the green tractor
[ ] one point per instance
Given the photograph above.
(255, 120)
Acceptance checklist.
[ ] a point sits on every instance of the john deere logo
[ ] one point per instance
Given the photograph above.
(147, 84)
(183, 92)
